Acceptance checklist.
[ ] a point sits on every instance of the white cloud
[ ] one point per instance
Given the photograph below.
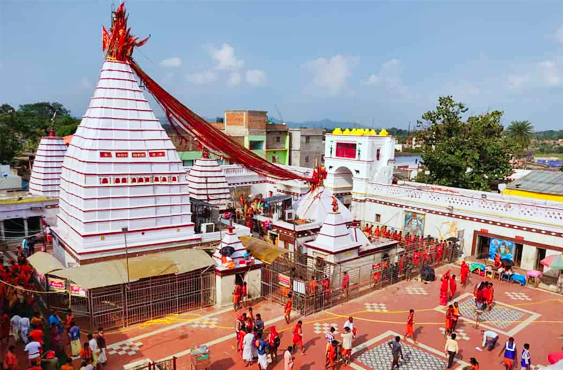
(171, 62)
(234, 79)
(390, 77)
(550, 73)
(225, 57)
(332, 73)
(516, 82)
(201, 78)
(559, 34)
(372, 80)
(256, 77)
(86, 83)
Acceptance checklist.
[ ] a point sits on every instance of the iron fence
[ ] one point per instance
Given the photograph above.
(126, 304)
(327, 290)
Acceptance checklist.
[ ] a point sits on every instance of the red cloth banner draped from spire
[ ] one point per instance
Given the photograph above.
(212, 138)
(120, 47)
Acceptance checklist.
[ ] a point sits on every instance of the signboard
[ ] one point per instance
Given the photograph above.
(77, 290)
(504, 248)
(139, 154)
(284, 280)
(58, 285)
(157, 154)
(414, 224)
(105, 154)
(122, 154)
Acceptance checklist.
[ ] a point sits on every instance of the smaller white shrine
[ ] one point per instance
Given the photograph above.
(336, 243)
(233, 263)
(207, 182)
(230, 253)
(333, 242)
(45, 177)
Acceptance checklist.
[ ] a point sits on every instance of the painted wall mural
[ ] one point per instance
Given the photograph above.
(504, 248)
(448, 230)
(414, 223)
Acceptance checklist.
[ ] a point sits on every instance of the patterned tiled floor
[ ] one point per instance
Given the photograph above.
(209, 323)
(127, 348)
(518, 296)
(376, 307)
(419, 291)
(500, 316)
(380, 358)
(324, 328)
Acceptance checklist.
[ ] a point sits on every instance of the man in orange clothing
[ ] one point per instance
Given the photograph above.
(410, 324)
(243, 294)
(345, 284)
(236, 297)
(298, 336)
(455, 316)
(332, 355)
(490, 296)
(313, 286)
(288, 307)
(10, 359)
(449, 316)
(37, 335)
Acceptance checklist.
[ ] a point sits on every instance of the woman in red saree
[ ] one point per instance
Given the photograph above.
(444, 289)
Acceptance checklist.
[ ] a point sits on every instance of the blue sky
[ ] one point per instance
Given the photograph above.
(347, 61)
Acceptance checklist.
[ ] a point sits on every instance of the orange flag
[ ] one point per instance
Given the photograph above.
(105, 39)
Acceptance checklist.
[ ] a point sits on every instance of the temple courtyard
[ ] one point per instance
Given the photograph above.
(529, 315)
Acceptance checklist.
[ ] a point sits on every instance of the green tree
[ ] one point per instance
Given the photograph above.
(520, 132)
(22, 129)
(10, 144)
(463, 154)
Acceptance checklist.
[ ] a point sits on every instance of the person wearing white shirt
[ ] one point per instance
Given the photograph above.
(33, 350)
(451, 349)
(526, 358)
(347, 344)
(94, 348)
(350, 324)
(489, 339)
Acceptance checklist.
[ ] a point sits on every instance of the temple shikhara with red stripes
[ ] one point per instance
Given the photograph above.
(120, 171)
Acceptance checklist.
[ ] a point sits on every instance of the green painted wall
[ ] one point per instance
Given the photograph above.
(261, 153)
(282, 154)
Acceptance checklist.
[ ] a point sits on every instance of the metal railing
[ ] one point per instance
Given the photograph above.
(373, 275)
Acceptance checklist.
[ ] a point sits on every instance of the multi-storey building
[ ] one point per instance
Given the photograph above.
(306, 146)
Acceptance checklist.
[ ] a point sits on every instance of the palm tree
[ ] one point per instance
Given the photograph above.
(521, 134)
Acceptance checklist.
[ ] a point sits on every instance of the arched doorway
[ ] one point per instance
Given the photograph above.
(342, 184)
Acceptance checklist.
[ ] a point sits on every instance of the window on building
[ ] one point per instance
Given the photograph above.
(346, 150)
(378, 154)
(278, 139)
(306, 159)
(256, 145)
(377, 218)
(307, 139)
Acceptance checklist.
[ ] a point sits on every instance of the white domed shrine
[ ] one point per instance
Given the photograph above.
(317, 204)
(47, 166)
(207, 182)
(121, 170)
